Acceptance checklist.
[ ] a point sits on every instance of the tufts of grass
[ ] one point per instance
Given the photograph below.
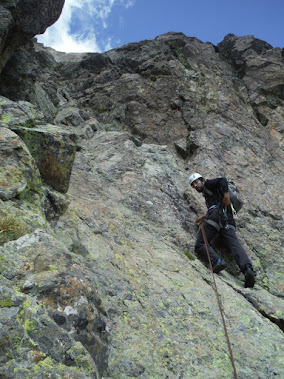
(11, 228)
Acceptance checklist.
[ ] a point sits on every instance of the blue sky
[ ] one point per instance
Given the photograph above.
(100, 25)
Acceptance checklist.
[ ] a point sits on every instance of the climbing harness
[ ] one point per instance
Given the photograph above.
(219, 225)
(219, 300)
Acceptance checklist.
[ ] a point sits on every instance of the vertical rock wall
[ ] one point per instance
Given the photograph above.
(112, 273)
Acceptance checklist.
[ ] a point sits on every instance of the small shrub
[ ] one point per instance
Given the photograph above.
(11, 228)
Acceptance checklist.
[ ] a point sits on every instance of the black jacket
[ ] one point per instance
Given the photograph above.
(213, 192)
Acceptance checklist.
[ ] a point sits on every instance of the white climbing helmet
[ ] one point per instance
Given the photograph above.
(194, 177)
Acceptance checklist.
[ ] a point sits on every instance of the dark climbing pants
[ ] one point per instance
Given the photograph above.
(229, 240)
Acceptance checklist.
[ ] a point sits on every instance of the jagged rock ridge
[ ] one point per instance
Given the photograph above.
(108, 229)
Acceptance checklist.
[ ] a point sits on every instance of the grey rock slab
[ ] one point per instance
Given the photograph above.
(164, 316)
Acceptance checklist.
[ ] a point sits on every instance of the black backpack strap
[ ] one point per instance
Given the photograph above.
(208, 191)
(213, 223)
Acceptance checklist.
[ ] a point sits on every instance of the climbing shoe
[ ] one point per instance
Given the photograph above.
(249, 277)
(219, 265)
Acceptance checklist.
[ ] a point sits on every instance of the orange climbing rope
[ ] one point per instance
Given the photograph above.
(218, 298)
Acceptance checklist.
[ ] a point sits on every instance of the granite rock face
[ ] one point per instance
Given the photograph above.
(18, 170)
(109, 267)
(55, 313)
(20, 20)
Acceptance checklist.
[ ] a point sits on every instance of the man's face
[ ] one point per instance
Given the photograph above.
(198, 185)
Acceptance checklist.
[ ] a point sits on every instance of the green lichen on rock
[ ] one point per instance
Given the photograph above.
(81, 357)
(18, 114)
(19, 176)
(53, 268)
(5, 118)
(54, 153)
(29, 326)
(46, 363)
(6, 302)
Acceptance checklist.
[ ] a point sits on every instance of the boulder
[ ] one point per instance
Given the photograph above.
(22, 113)
(18, 171)
(54, 151)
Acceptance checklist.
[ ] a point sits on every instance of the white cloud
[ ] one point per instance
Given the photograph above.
(128, 3)
(82, 25)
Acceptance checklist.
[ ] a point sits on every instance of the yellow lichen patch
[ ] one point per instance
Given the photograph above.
(10, 175)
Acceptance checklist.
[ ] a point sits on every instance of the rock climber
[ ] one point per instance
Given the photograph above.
(220, 220)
